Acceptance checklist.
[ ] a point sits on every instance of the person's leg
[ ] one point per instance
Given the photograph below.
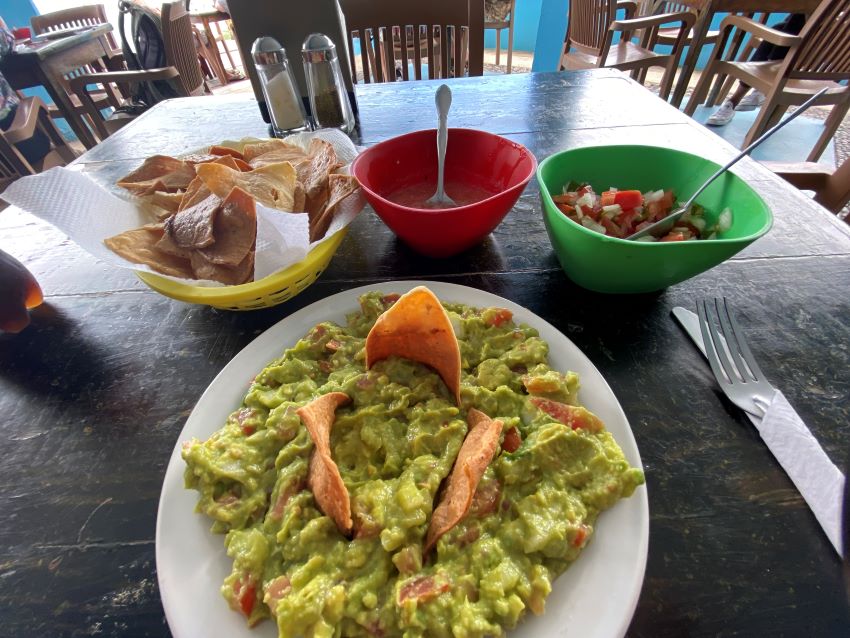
(739, 100)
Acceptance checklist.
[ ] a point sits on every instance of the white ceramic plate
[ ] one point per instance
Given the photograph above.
(594, 598)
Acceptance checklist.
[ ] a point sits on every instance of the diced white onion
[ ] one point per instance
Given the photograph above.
(699, 222)
(611, 211)
(652, 196)
(646, 238)
(724, 222)
(585, 200)
(587, 222)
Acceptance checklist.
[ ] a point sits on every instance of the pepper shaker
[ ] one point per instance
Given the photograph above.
(283, 100)
(328, 97)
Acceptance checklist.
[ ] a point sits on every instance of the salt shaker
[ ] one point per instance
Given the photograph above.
(279, 88)
(328, 97)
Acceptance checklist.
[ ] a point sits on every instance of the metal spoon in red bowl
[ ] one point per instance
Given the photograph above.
(443, 100)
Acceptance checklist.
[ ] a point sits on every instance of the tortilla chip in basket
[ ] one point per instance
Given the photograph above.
(476, 452)
(193, 227)
(324, 478)
(417, 327)
(140, 247)
(202, 268)
(159, 173)
(339, 187)
(255, 149)
(273, 185)
(195, 193)
(234, 230)
(170, 202)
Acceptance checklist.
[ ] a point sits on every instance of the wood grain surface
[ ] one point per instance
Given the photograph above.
(95, 392)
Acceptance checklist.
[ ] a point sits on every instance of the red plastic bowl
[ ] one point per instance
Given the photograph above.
(479, 159)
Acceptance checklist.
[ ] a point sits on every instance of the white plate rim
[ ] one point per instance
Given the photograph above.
(180, 531)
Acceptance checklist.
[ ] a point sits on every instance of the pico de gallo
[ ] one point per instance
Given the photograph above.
(620, 213)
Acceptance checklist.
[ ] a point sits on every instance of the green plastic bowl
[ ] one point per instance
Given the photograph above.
(608, 264)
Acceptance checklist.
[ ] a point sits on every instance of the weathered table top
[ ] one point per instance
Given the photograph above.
(94, 393)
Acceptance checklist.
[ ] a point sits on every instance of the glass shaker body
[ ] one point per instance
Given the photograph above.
(329, 101)
(279, 87)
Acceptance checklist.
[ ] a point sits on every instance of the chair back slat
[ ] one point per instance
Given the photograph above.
(825, 51)
(85, 16)
(179, 39)
(442, 34)
(588, 22)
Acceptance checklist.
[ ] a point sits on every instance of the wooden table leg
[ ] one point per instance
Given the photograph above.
(690, 63)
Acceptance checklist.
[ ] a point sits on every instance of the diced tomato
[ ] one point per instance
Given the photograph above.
(575, 417)
(625, 220)
(568, 210)
(584, 190)
(612, 228)
(568, 199)
(512, 441)
(421, 588)
(277, 589)
(673, 237)
(581, 535)
(667, 200)
(333, 345)
(486, 498)
(607, 198)
(246, 594)
(248, 430)
(628, 199)
(498, 317)
(390, 299)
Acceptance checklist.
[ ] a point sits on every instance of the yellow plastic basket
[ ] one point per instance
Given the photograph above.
(268, 291)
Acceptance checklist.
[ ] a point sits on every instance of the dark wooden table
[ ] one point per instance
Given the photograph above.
(94, 393)
(47, 62)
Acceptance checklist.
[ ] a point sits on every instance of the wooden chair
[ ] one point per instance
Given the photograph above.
(184, 70)
(31, 115)
(666, 36)
(591, 25)
(819, 57)
(114, 60)
(445, 35)
(74, 17)
(831, 188)
(500, 21)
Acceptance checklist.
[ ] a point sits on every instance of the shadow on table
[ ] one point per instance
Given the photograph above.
(50, 354)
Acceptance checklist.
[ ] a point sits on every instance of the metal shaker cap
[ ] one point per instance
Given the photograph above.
(318, 48)
(267, 50)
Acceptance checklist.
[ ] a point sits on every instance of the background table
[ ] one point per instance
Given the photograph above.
(46, 62)
(94, 393)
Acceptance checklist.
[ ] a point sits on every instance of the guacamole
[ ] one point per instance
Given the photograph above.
(533, 511)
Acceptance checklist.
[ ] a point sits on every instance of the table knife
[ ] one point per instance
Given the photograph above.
(817, 478)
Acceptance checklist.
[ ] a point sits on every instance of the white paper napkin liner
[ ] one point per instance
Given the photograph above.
(88, 213)
(817, 478)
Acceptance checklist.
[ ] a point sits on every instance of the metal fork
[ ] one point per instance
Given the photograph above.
(732, 363)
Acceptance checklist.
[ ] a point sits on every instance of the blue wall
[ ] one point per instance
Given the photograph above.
(525, 27)
(17, 13)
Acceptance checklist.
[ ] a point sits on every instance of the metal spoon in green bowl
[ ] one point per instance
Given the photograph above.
(662, 226)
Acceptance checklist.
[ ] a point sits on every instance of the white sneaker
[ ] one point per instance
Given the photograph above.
(722, 116)
(751, 101)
